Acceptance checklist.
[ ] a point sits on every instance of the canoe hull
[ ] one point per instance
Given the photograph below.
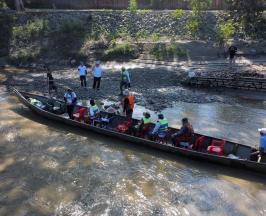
(240, 164)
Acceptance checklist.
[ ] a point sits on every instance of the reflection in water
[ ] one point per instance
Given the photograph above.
(50, 169)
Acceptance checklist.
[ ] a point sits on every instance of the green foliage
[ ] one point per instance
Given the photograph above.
(225, 30)
(31, 30)
(123, 32)
(167, 52)
(199, 5)
(141, 34)
(193, 25)
(24, 56)
(132, 6)
(3, 4)
(177, 14)
(124, 50)
(249, 14)
(154, 37)
(195, 20)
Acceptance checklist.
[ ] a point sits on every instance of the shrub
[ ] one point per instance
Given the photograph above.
(123, 32)
(225, 30)
(193, 25)
(132, 6)
(124, 50)
(177, 14)
(154, 37)
(141, 34)
(199, 5)
(3, 4)
(163, 52)
(24, 57)
(250, 16)
(31, 30)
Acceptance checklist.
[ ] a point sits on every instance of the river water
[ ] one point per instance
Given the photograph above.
(51, 169)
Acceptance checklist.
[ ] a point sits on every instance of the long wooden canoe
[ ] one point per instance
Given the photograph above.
(241, 151)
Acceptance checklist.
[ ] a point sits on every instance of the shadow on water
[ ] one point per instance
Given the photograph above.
(116, 144)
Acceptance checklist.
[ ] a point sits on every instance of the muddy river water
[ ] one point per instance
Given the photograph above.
(50, 169)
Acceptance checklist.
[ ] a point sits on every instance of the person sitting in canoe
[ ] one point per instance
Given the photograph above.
(160, 129)
(128, 104)
(142, 128)
(260, 154)
(94, 111)
(70, 98)
(184, 136)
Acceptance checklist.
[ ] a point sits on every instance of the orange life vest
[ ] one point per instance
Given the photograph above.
(131, 101)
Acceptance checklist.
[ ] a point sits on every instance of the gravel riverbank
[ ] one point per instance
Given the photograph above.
(154, 87)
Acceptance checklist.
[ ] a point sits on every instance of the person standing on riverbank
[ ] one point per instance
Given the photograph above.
(50, 80)
(128, 104)
(232, 53)
(125, 80)
(82, 74)
(97, 75)
(70, 99)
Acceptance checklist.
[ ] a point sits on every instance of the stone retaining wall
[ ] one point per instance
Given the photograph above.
(237, 83)
(159, 22)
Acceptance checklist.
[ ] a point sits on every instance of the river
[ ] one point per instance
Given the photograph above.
(51, 169)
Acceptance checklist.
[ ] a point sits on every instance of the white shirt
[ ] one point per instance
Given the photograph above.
(70, 97)
(97, 71)
(82, 70)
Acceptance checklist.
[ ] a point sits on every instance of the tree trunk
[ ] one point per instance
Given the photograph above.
(19, 5)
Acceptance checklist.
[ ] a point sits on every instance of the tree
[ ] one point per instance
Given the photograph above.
(248, 14)
(195, 20)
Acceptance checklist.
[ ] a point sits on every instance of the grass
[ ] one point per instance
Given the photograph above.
(161, 51)
(123, 50)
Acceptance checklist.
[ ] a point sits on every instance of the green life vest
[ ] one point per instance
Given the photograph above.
(95, 109)
(146, 120)
(163, 125)
(124, 76)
